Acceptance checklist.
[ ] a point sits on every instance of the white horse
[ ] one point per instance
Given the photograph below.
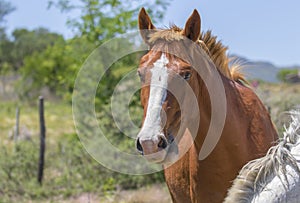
(274, 177)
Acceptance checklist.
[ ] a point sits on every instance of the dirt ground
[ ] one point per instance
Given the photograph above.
(155, 193)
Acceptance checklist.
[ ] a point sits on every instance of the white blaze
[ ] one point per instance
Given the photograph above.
(158, 93)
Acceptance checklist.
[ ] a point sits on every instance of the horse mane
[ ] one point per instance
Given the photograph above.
(255, 175)
(213, 48)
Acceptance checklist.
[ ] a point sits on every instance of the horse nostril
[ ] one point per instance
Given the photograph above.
(139, 146)
(162, 143)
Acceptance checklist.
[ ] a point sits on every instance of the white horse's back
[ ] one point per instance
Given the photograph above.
(274, 178)
(284, 187)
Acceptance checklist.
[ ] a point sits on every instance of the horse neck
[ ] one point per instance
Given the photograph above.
(248, 126)
(204, 105)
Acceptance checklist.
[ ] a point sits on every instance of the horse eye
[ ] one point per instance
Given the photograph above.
(187, 75)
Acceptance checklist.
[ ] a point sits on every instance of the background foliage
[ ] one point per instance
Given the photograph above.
(282, 74)
(40, 62)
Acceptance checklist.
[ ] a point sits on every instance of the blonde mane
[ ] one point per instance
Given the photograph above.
(255, 175)
(209, 43)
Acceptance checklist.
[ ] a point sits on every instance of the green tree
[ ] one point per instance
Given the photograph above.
(26, 42)
(5, 9)
(21, 44)
(281, 75)
(100, 20)
(54, 68)
(6, 47)
(5, 44)
(103, 19)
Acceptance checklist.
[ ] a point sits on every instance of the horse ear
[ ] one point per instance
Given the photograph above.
(145, 24)
(192, 26)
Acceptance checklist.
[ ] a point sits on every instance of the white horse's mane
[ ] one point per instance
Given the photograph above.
(256, 174)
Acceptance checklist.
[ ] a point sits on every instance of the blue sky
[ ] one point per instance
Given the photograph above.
(267, 30)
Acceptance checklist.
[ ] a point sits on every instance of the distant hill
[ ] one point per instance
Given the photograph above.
(261, 70)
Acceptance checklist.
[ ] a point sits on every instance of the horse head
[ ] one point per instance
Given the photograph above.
(168, 84)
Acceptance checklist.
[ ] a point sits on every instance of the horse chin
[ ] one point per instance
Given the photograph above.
(166, 156)
(157, 157)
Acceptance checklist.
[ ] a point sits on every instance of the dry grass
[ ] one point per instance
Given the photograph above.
(281, 98)
(58, 118)
(155, 193)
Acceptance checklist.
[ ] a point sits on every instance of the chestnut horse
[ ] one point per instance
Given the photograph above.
(248, 131)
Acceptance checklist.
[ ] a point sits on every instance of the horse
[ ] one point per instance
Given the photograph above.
(274, 177)
(168, 135)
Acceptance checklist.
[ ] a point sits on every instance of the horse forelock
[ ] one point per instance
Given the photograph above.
(255, 175)
(214, 48)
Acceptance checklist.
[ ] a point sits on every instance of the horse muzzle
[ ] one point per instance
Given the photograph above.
(154, 148)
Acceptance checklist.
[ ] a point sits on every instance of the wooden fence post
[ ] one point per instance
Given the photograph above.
(42, 140)
(17, 128)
